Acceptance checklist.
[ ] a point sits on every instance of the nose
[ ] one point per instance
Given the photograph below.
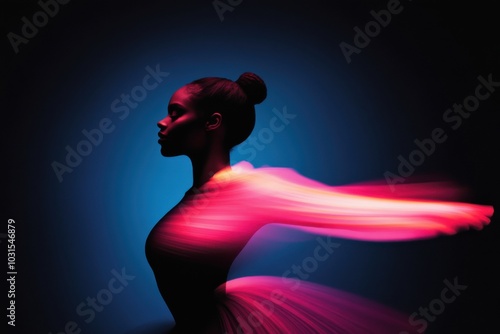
(162, 124)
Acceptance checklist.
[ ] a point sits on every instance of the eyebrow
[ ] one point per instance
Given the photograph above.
(175, 106)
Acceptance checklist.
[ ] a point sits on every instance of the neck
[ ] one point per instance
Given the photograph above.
(206, 164)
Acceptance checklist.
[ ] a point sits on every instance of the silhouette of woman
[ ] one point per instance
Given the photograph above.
(192, 247)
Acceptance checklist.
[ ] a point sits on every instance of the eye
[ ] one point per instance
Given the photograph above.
(174, 113)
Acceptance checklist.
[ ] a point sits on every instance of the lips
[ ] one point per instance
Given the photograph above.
(161, 136)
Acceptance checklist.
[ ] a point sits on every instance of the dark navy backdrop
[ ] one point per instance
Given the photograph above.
(345, 123)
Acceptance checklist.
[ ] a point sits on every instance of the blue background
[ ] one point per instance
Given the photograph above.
(352, 121)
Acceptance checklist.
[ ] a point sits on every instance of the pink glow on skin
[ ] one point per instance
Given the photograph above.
(226, 211)
(211, 225)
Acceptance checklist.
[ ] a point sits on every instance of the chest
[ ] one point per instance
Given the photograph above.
(204, 229)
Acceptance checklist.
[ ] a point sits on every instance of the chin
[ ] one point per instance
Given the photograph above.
(169, 153)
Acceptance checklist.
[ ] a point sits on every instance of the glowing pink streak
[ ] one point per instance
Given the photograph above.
(235, 203)
(214, 225)
(265, 304)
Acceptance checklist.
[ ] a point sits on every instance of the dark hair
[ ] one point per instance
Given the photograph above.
(235, 100)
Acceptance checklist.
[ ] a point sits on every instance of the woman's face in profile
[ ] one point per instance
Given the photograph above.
(182, 132)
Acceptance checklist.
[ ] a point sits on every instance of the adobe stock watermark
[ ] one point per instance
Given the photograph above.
(454, 118)
(309, 265)
(437, 306)
(265, 136)
(120, 107)
(30, 27)
(372, 29)
(251, 146)
(92, 305)
(221, 7)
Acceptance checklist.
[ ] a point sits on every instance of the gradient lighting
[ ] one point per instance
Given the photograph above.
(126, 187)
(110, 202)
(205, 233)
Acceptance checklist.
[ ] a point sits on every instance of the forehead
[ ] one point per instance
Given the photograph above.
(181, 96)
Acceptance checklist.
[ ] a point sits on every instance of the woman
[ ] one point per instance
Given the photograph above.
(192, 247)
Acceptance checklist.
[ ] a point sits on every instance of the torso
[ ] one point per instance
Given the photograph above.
(192, 247)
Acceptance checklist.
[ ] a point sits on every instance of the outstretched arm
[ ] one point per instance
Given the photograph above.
(364, 212)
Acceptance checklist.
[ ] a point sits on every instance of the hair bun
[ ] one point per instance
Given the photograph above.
(253, 86)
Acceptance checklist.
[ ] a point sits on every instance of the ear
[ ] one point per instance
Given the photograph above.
(214, 121)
